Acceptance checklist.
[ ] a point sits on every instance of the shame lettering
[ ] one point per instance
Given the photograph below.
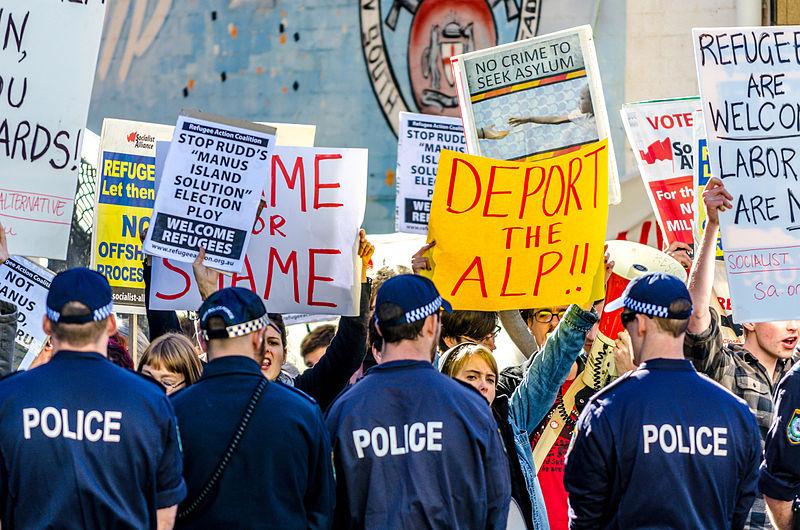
(92, 426)
(689, 440)
(413, 438)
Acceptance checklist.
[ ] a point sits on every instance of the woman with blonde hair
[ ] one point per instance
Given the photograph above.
(172, 361)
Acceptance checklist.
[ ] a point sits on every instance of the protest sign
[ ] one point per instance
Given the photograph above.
(420, 140)
(125, 195)
(516, 234)
(210, 189)
(47, 62)
(535, 99)
(702, 172)
(749, 84)
(660, 134)
(302, 256)
(25, 284)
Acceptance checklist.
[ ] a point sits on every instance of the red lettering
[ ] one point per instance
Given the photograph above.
(312, 276)
(476, 264)
(235, 278)
(525, 188)
(541, 273)
(490, 191)
(275, 223)
(451, 189)
(298, 169)
(547, 191)
(571, 191)
(596, 172)
(505, 280)
(284, 266)
(318, 185)
(187, 282)
(509, 231)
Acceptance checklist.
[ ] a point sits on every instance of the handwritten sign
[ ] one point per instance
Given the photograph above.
(47, 60)
(302, 256)
(25, 284)
(421, 139)
(660, 134)
(750, 84)
(209, 190)
(511, 235)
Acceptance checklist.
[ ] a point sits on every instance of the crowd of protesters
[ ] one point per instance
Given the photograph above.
(401, 417)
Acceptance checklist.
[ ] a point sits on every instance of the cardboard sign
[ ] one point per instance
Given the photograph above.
(210, 190)
(535, 99)
(302, 256)
(660, 134)
(421, 139)
(516, 234)
(124, 197)
(750, 84)
(702, 172)
(26, 284)
(47, 62)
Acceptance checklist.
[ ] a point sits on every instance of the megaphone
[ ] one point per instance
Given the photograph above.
(631, 260)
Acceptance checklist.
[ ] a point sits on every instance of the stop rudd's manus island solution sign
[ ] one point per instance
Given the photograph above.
(209, 190)
(47, 63)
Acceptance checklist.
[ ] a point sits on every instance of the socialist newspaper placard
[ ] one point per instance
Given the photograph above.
(47, 61)
(749, 84)
(660, 134)
(421, 138)
(25, 284)
(125, 195)
(210, 189)
(302, 256)
(535, 99)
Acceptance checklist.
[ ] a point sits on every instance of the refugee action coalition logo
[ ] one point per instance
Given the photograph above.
(438, 29)
(142, 141)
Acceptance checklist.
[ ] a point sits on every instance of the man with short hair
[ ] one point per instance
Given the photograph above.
(256, 453)
(751, 370)
(84, 443)
(414, 448)
(663, 446)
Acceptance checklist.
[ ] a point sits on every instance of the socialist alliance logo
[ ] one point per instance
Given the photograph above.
(142, 141)
(437, 30)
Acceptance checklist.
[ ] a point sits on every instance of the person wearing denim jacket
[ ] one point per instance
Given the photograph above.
(519, 414)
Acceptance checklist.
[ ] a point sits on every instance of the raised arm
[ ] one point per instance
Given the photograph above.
(701, 277)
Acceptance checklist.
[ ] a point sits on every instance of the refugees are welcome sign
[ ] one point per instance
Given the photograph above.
(511, 235)
(750, 85)
(209, 190)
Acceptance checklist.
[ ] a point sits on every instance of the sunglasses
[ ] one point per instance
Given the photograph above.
(629, 316)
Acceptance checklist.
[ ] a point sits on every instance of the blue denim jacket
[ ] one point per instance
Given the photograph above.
(533, 398)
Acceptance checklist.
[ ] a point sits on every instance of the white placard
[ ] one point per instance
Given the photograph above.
(302, 256)
(209, 191)
(47, 63)
(749, 85)
(421, 138)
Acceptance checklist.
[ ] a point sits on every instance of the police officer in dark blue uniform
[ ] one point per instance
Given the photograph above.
(256, 453)
(84, 443)
(412, 447)
(779, 478)
(663, 447)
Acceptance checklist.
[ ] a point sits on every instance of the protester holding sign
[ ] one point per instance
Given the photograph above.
(751, 370)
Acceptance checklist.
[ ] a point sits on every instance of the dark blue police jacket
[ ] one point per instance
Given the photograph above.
(416, 449)
(281, 474)
(664, 447)
(780, 471)
(86, 444)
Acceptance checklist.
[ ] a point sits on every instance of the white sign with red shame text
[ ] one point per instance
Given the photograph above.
(47, 60)
(660, 134)
(749, 80)
(302, 256)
